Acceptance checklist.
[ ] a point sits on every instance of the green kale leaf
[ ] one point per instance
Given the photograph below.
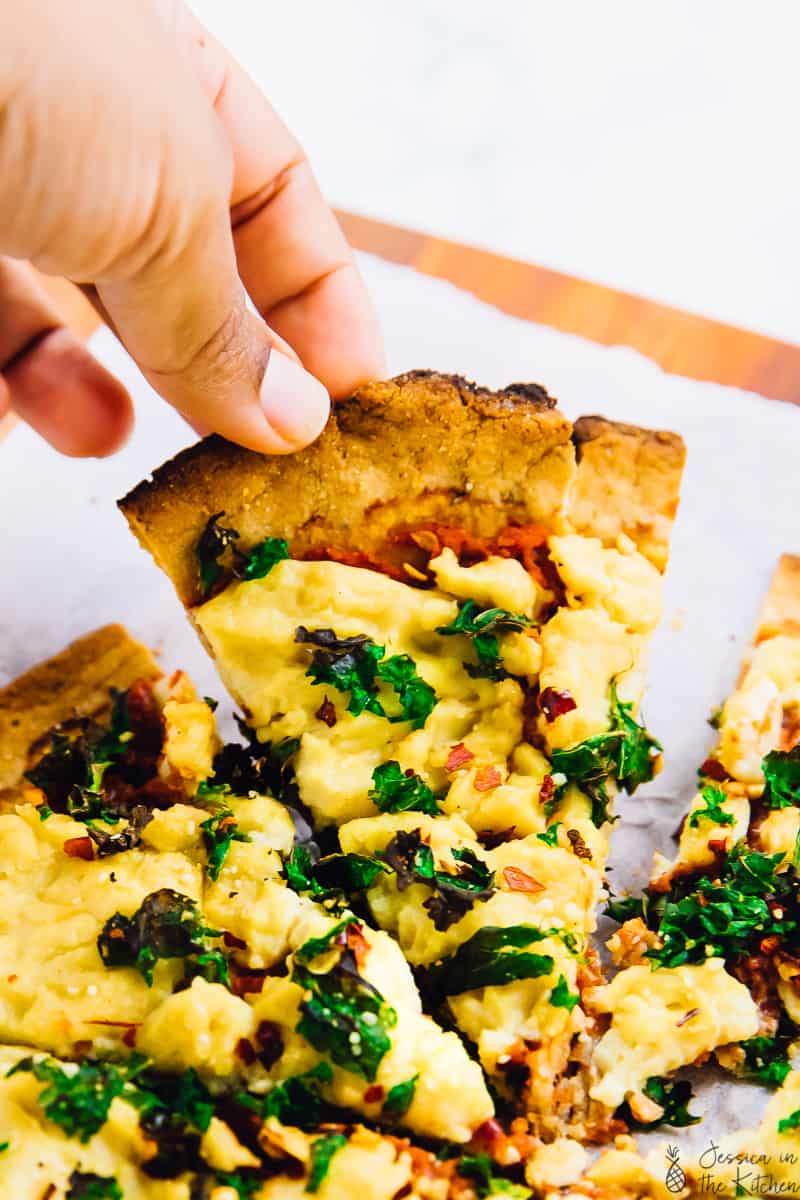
(714, 798)
(263, 557)
(77, 1097)
(766, 1059)
(673, 1095)
(398, 1099)
(219, 832)
(482, 626)
(490, 958)
(562, 997)
(211, 546)
(480, 1170)
(454, 892)
(782, 775)
(395, 790)
(322, 1151)
(166, 925)
(85, 1185)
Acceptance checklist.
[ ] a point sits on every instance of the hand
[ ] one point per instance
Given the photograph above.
(138, 159)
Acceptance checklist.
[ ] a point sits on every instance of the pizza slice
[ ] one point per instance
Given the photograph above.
(435, 619)
(145, 912)
(721, 922)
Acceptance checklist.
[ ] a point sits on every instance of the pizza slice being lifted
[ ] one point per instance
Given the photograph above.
(435, 621)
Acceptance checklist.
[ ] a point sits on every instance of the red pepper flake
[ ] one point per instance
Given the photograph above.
(129, 1036)
(246, 983)
(79, 847)
(459, 756)
(373, 1094)
(490, 839)
(49, 1192)
(327, 713)
(488, 1135)
(548, 790)
(554, 703)
(520, 881)
(356, 943)
(270, 1041)
(718, 845)
(689, 1016)
(233, 942)
(487, 779)
(712, 768)
(245, 1051)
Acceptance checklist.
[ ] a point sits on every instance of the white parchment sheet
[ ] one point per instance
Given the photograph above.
(68, 562)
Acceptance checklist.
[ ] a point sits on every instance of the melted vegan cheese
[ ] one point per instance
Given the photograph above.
(665, 1018)
(751, 719)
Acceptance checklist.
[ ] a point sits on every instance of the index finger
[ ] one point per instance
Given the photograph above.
(293, 258)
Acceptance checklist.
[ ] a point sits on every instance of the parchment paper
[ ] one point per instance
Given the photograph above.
(69, 564)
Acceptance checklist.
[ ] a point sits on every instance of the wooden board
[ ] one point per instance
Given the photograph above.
(680, 342)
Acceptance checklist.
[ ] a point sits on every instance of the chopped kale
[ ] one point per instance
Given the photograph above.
(627, 754)
(166, 925)
(322, 1151)
(790, 1122)
(550, 835)
(454, 892)
(246, 1183)
(480, 1170)
(211, 546)
(296, 1100)
(766, 1059)
(562, 997)
(219, 832)
(77, 1096)
(490, 958)
(625, 908)
(395, 790)
(262, 767)
(343, 1015)
(85, 1185)
(482, 626)
(357, 664)
(673, 1095)
(730, 915)
(714, 799)
(334, 877)
(782, 775)
(126, 839)
(398, 1099)
(262, 558)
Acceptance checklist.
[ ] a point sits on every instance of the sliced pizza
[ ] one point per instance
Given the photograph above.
(435, 621)
(712, 950)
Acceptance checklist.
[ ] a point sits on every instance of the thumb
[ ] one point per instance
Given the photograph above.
(181, 311)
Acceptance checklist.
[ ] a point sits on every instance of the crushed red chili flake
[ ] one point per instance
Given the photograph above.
(373, 1094)
(357, 943)
(245, 1051)
(79, 847)
(579, 847)
(554, 703)
(129, 1036)
(270, 1041)
(548, 790)
(49, 1192)
(459, 756)
(354, 558)
(233, 942)
(327, 713)
(712, 768)
(490, 839)
(244, 983)
(718, 845)
(520, 881)
(487, 779)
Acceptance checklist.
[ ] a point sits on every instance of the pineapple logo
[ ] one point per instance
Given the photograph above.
(675, 1178)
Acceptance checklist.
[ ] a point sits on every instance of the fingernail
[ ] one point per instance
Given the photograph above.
(294, 402)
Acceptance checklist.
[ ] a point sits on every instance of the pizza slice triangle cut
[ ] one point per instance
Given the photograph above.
(711, 951)
(435, 621)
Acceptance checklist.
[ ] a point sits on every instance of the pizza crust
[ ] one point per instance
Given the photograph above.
(74, 683)
(780, 613)
(421, 447)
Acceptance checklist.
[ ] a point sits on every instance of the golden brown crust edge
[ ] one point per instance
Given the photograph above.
(627, 481)
(74, 683)
(421, 447)
(780, 612)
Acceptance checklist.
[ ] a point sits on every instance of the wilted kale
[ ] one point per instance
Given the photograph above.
(334, 877)
(562, 997)
(730, 915)
(262, 767)
(454, 892)
(483, 625)
(212, 547)
(166, 925)
(673, 1095)
(627, 753)
(713, 798)
(398, 1099)
(550, 835)
(480, 1170)
(85, 1185)
(294, 1101)
(322, 1151)
(219, 831)
(125, 839)
(357, 664)
(490, 958)
(782, 775)
(262, 558)
(343, 1015)
(766, 1059)
(395, 790)
(77, 1096)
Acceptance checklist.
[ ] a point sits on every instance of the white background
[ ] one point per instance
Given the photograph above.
(649, 146)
